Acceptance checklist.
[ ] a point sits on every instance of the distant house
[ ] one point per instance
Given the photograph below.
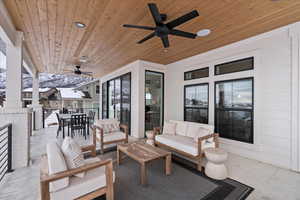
(58, 98)
(46, 95)
(73, 99)
(92, 89)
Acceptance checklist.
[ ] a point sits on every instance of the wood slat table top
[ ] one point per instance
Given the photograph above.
(142, 152)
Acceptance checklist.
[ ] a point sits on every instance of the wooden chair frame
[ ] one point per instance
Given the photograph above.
(198, 158)
(101, 140)
(45, 178)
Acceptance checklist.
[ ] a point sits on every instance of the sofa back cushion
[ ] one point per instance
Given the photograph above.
(192, 126)
(181, 127)
(73, 155)
(56, 164)
(169, 128)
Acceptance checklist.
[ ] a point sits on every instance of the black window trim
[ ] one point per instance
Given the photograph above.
(215, 67)
(185, 107)
(204, 68)
(236, 109)
(163, 96)
(121, 87)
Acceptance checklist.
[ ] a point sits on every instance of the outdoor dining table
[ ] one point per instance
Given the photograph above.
(63, 117)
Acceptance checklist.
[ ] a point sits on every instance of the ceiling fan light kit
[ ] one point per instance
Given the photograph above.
(162, 30)
(203, 32)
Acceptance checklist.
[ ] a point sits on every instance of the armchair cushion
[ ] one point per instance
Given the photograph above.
(183, 143)
(108, 125)
(56, 164)
(117, 135)
(169, 128)
(93, 180)
(73, 155)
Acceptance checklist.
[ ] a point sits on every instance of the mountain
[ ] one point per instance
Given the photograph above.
(48, 80)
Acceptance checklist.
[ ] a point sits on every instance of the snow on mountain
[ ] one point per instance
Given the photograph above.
(49, 80)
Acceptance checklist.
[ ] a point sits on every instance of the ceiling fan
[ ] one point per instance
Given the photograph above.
(162, 29)
(77, 71)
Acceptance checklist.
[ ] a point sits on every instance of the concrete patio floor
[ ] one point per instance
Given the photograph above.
(270, 182)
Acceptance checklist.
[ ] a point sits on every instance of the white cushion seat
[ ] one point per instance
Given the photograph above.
(117, 135)
(183, 143)
(93, 180)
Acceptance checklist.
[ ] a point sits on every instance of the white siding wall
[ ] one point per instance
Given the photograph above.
(272, 93)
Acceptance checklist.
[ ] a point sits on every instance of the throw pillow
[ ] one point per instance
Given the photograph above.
(192, 130)
(202, 132)
(73, 154)
(169, 128)
(181, 128)
(56, 163)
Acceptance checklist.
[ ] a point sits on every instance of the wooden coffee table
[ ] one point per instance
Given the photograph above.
(144, 153)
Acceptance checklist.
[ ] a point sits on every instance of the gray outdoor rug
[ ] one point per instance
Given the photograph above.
(185, 183)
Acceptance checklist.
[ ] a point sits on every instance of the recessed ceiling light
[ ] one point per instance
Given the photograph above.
(203, 32)
(83, 59)
(79, 25)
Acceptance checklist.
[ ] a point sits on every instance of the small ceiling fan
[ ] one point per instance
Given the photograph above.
(162, 29)
(77, 71)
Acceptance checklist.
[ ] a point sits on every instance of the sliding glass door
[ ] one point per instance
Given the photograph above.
(125, 99)
(116, 99)
(154, 91)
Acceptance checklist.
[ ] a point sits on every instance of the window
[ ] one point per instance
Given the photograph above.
(97, 89)
(235, 66)
(198, 73)
(196, 103)
(234, 109)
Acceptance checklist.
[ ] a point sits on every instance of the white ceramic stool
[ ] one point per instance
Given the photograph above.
(215, 167)
(150, 137)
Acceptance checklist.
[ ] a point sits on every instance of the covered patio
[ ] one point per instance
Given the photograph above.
(213, 113)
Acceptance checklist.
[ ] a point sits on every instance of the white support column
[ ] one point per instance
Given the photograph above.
(13, 112)
(14, 74)
(294, 33)
(37, 108)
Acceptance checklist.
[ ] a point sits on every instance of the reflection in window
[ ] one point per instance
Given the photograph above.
(196, 103)
(234, 109)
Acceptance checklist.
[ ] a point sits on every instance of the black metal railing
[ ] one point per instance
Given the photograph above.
(5, 150)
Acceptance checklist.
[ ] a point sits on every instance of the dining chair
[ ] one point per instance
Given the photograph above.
(78, 123)
(61, 125)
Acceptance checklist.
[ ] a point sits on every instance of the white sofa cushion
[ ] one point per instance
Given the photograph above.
(117, 135)
(181, 127)
(169, 128)
(183, 143)
(73, 154)
(56, 164)
(93, 180)
(192, 131)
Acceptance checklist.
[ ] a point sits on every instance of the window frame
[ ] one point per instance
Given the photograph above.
(187, 107)
(215, 66)
(235, 109)
(200, 69)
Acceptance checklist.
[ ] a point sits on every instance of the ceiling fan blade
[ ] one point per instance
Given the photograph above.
(155, 13)
(140, 27)
(183, 34)
(165, 41)
(86, 72)
(151, 35)
(182, 19)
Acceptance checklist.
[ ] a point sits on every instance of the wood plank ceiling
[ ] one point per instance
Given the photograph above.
(54, 42)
